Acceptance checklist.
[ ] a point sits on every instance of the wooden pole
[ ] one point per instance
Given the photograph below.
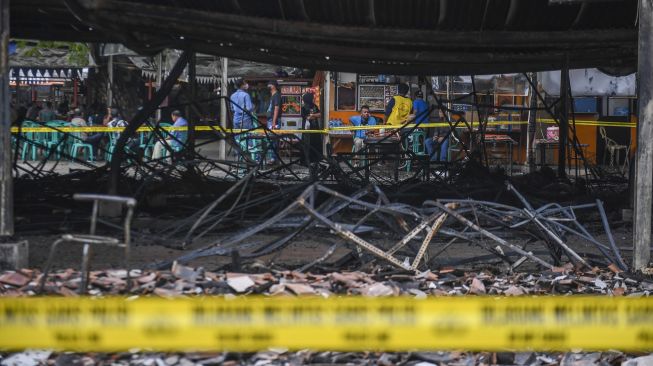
(6, 180)
(564, 121)
(644, 153)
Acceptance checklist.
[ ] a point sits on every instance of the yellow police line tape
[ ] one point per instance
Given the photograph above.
(344, 323)
(331, 130)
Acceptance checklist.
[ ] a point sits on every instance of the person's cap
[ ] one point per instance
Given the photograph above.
(273, 83)
(419, 94)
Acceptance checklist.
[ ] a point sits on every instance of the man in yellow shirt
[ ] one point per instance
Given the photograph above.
(398, 110)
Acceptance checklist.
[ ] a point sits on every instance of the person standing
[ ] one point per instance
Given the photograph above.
(398, 110)
(420, 108)
(311, 121)
(274, 117)
(241, 106)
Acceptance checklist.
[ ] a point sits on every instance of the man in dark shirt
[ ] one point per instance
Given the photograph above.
(274, 109)
(274, 117)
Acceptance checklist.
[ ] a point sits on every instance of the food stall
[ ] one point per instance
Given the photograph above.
(350, 91)
(292, 103)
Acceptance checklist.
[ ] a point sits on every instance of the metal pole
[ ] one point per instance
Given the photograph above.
(326, 109)
(6, 183)
(564, 121)
(110, 83)
(222, 147)
(449, 107)
(532, 124)
(159, 79)
(192, 117)
(75, 91)
(449, 96)
(644, 153)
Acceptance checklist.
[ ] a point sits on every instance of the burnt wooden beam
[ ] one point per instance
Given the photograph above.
(371, 13)
(6, 179)
(302, 10)
(644, 152)
(281, 10)
(370, 54)
(319, 33)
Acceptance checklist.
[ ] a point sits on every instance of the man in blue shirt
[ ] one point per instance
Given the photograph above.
(365, 119)
(241, 106)
(179, 137)
(176, 139)
(420, 108)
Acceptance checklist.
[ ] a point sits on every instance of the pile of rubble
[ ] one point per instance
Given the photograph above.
(281, 357)
(187, 281)
(182, 280)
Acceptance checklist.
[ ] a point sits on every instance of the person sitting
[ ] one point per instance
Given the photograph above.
(79, 121)
(176, 139)
(437, 146)
(47, 114)
(365, 119)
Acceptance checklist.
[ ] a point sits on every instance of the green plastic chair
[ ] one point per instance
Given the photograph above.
(111, 145)
(417, 144)
(250, 146)
(53, 138)
(147, 144)
(30, 142)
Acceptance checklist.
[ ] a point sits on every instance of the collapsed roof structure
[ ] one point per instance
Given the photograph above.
(428, 37)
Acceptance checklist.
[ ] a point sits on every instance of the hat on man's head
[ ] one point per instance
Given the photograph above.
(419, 94)
(273, 83)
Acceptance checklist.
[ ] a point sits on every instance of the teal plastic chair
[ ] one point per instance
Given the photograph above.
(79, 145)
(250, 146)
(53, 138)
(113, 137)
(30, 141)
(147, 144)
(417, 144)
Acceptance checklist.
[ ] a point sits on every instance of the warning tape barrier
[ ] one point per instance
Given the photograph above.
(346, 323)
(332, 130)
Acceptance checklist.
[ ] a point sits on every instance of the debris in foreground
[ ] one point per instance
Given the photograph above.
(188, 281)
(282, 357)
